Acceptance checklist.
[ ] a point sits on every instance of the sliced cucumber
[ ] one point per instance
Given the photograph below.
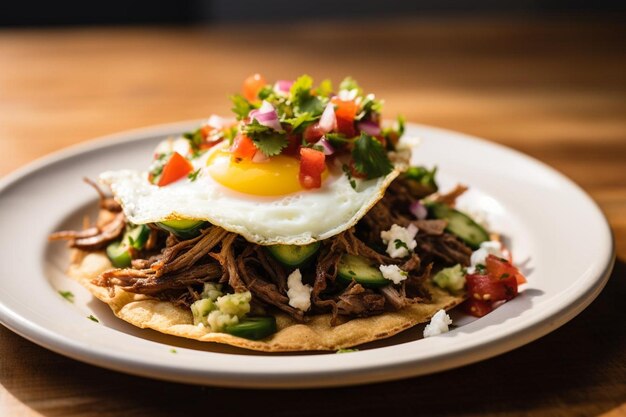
(137, 236)
(253, 328)
(183, 229)
(118, 254)
(361, 270)
(293, 255)
(459, 224)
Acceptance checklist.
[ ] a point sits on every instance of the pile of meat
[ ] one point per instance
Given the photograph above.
(174, 270)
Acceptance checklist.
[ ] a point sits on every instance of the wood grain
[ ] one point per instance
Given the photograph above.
(555, 90)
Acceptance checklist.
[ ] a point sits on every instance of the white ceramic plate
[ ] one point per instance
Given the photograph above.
(557, 233)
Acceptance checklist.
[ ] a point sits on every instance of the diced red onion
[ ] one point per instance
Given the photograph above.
(418, 210)
(327, 148)
(283, 86)
(267, 116)
(328, 121)
(369, 128)
(260, 157)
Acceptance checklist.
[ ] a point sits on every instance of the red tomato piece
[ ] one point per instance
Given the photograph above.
(312, 164)
(243, 147)
(477, 308)
(313, 133)
(252, 85)
(487, 288)
(345, 111)
(501, 268)
(294, 141)
(176, 168)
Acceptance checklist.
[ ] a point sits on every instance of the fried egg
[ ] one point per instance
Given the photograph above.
(261, 201)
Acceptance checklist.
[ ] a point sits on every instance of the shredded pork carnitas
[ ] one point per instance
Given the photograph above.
(174, 270)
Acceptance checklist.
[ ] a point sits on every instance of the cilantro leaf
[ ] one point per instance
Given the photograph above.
(301, 98)
(302, 86)
(370, 158)
(303, 119)
(241, 106)
(325, 89)
(68, 295)
(195, 139)
(400, 244)
(194, 175)
(92, 318)
(370, 105)
(270, 144)
(351, 180)
(255, 128)
(266, 139)
(348, 84)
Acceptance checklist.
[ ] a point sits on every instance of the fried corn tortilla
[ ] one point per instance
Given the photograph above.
(317, 334)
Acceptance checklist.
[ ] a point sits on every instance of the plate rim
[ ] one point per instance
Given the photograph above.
(374, 373)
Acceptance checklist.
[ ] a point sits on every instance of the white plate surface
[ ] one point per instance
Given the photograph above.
(557, 233)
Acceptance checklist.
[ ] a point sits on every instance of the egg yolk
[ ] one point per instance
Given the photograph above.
(276, 176)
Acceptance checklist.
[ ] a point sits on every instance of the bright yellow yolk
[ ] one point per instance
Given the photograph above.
(277, 176)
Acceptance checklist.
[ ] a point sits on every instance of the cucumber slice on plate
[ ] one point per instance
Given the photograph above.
(253, 328)
(459, 224)
(294, 255)
(119, 252)
(183, 229)
(359, 269)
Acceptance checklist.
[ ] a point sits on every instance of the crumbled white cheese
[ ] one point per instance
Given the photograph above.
(438, 324)
(400, 240)
(393, 273)
(479, 256)
(299, 294)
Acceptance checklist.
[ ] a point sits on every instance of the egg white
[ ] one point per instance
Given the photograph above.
(295, 219)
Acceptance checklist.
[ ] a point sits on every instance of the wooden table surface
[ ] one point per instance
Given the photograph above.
(554, 89)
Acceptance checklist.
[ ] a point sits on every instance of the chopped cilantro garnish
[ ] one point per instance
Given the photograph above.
(400, 244)
(301, 120)
(481, 269)
(266, 139)
(370, 105)
(301, 98)
(270, 144)
(195, 139)
(194, 175)
(346, 171)
(68, 295)
(92, 318)
(325, 88)
(347, 350)
(349, 84)
(173, 351)
(241, 106)
(370, 158)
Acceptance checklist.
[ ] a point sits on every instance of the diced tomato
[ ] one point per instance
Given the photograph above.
(499, 268)
(312, 164)
(487, 288)
(252, 85)
(176, 168)
(345, 111)
(477, 308)
(294, 141)
(313, 133)
(243, 147)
